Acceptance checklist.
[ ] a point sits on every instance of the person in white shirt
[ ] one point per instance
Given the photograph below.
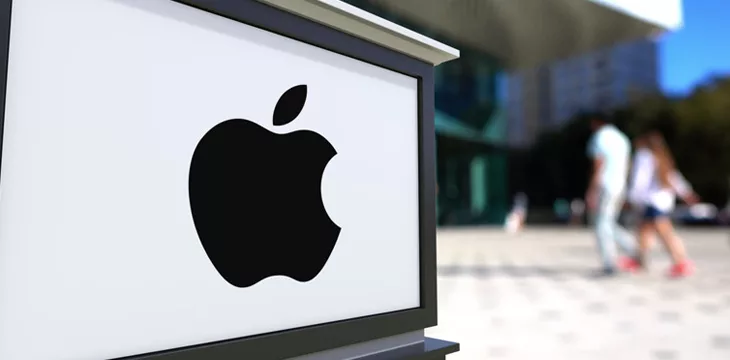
(610, 151)
(516, 218)
(655, 184)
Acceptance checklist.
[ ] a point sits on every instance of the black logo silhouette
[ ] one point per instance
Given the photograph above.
(256, 198)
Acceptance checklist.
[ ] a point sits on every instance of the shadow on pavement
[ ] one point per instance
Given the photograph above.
(487, 271)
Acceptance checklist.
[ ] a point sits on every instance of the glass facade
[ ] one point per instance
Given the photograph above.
(471, 164)
(471, 128)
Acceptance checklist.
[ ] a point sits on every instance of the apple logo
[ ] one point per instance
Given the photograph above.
(256, 198)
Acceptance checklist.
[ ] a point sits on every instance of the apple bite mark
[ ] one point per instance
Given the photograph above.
(290, 104)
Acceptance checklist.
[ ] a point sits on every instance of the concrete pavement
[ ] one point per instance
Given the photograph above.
(533, 296)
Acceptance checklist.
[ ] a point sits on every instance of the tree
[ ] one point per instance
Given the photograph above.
(556, 165)
(696, 127)
(702, 143)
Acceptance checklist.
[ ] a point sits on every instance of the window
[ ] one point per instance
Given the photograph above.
(600, 64)
(502, 87)
(604, 101)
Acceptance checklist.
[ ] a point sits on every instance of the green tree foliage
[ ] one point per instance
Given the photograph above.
(701, 144)
(697, 129)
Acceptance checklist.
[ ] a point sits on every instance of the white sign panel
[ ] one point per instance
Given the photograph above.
(172, 178)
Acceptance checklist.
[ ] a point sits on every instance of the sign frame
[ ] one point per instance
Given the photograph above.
(315, 338)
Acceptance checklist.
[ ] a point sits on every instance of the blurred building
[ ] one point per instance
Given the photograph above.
(550, 94)
(495, 37)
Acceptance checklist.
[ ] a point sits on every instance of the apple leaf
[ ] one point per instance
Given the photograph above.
(290, 104)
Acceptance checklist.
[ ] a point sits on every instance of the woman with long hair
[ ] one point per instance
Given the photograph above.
(654, 187)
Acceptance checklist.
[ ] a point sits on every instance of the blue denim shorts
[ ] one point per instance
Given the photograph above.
(651, 213)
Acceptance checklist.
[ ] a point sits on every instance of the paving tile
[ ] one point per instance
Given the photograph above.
(531, 296)
(721, 342)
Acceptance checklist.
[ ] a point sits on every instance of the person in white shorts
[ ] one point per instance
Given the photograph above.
(654, 186)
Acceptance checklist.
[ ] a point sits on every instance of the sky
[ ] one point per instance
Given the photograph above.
(699, 49)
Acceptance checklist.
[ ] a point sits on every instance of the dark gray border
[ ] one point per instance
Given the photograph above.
(6, 9)
(295, 342)
(429, 349)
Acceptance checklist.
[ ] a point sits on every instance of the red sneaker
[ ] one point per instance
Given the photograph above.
(682, 269)
(629, 264)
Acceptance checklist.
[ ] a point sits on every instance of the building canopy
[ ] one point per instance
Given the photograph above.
(525, 33)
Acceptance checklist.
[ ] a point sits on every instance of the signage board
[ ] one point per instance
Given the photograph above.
(171, 177)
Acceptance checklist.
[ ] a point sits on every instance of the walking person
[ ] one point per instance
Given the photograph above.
(654, 187)
(610, 151)
(516, 218)
(577, 210)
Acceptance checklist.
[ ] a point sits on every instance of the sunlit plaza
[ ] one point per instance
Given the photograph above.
(534, 296)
